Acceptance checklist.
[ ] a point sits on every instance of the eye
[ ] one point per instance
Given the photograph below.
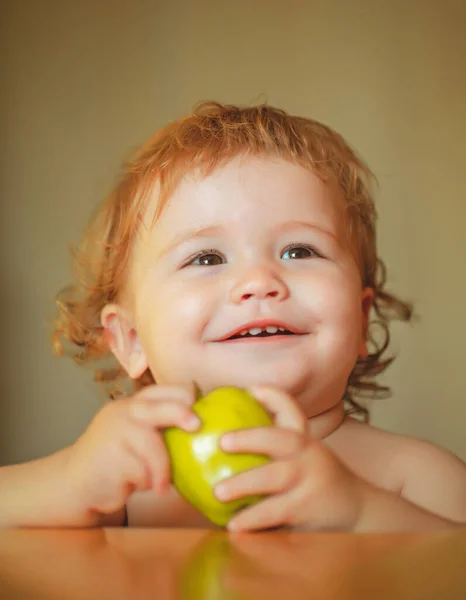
(206, 258)
(299, 251)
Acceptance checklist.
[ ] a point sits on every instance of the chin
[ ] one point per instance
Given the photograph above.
(292, 385)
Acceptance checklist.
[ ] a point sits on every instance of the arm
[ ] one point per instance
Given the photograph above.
(433, 495)
(38, 494)
(88, 483)
(385, 511)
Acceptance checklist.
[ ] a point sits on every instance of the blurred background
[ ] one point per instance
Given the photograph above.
(85, 83)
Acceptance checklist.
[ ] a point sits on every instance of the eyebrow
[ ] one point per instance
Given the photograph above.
(305, 225)
(218, 230)
(192, 234)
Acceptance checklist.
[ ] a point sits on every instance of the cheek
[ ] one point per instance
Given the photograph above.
(170, 316)
(336, 299)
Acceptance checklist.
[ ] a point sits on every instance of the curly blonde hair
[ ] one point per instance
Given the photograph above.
(209, 137)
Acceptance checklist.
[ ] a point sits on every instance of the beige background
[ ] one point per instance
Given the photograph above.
(85, 82)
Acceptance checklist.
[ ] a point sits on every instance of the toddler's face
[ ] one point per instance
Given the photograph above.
(260, 239)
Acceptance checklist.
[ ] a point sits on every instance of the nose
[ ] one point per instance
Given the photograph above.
(260, 283)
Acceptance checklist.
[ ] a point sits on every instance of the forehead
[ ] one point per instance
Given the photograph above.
(248, 192)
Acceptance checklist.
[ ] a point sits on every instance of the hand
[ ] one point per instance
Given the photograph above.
(123, 451)
(306, 484)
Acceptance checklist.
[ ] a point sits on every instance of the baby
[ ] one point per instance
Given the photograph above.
(238, 248)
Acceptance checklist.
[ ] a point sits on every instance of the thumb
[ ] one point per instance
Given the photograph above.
(286, 411)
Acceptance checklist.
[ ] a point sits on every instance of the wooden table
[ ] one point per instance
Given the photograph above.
(169, 564)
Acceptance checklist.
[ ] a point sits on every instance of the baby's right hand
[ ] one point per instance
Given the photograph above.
(123, 451)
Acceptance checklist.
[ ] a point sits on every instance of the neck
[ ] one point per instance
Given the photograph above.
(324, 424)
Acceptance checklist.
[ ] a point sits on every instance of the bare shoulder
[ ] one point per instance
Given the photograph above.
(434, 478)
(419, 471)
(372, 453)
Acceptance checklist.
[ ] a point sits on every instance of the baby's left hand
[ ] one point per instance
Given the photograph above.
(306, 485)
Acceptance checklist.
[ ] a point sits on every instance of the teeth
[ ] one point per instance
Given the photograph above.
(256, 330)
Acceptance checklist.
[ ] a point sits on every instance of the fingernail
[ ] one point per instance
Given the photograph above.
(226, 442)
(220, 491)
(192, 422)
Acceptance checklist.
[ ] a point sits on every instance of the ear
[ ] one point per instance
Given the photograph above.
(123, 339)
(367, 299)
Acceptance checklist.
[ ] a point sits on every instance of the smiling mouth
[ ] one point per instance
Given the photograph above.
(262, 334)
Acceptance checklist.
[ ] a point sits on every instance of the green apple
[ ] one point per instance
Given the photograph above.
(198, 463)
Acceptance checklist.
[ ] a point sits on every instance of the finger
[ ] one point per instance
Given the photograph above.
(148, 446)
(287, 412)
(185, 393)
(276, 477)
(136, 474)
(271, 512)
(164, 413)
(271, 441)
